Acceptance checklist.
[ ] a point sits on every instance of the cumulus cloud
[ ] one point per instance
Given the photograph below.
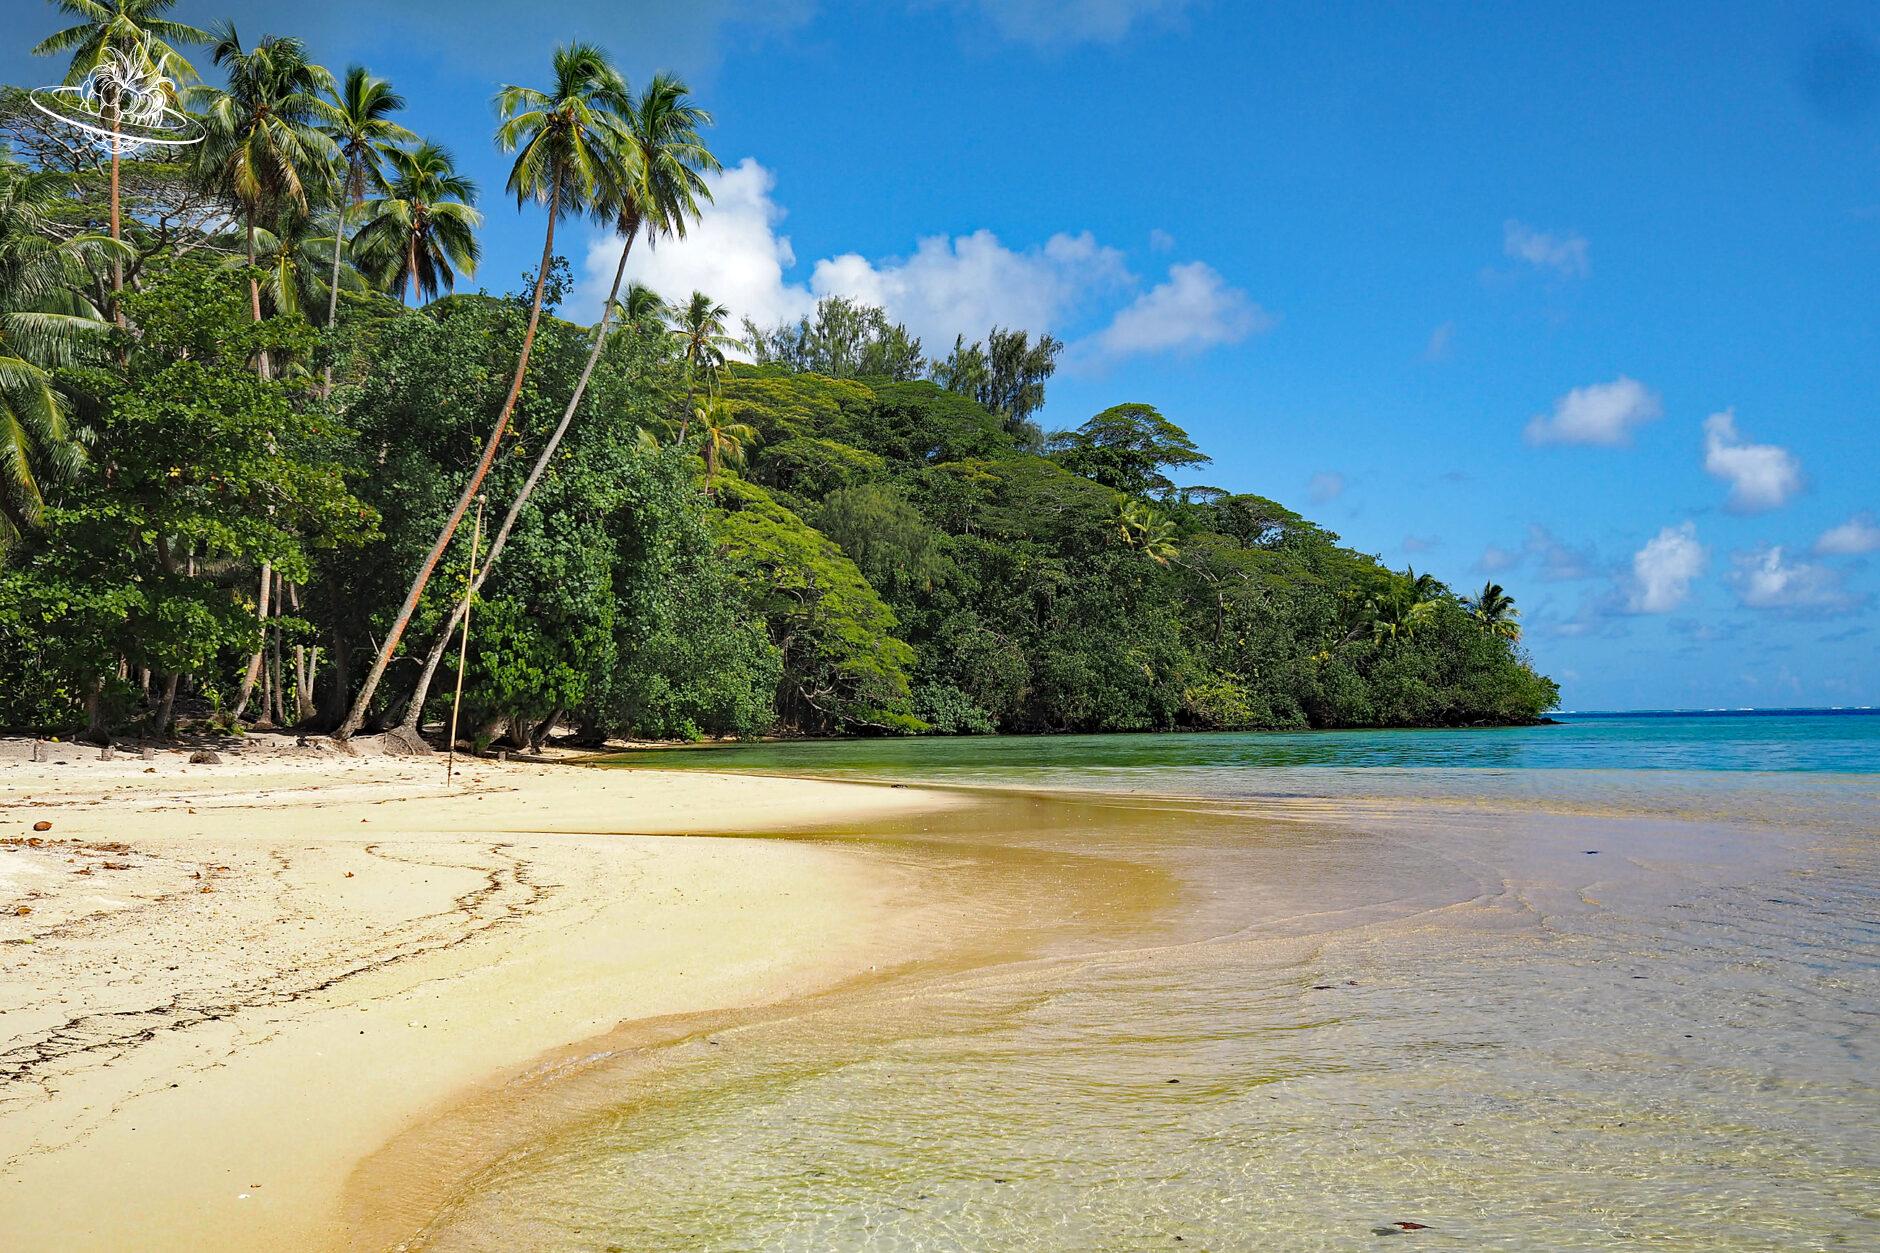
(1857, 535)
(1663, 570)
(1565, 255)
(968, 284)
(1766, 579)
(1192, 310)
(1602, 413)
(1761, 476)
(1325, 485)
(947, 286)
(1057, 23)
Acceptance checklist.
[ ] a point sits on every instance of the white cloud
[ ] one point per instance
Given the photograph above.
(1853, 537)
(1325, 485)
(1160, 240)
(1055, 23)
(948, 285)
(1765, 579)
(1663, 570)
(971, 283)
(733, 253)
(1761, 476)
(1563, 254)
(1603, 413)
(1193, 310)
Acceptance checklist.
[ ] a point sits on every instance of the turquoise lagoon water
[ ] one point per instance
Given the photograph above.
(1609, 984)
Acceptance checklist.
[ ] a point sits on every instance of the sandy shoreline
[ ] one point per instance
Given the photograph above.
(227, 985)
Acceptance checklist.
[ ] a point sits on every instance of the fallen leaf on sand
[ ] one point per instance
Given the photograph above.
(42, 825)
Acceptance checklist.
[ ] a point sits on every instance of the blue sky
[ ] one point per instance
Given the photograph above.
(1588, 300)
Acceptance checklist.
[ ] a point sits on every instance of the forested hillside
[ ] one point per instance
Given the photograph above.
(251, 437)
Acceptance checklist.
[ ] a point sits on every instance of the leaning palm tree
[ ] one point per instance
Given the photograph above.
(651, 188)
(43, 325)
(358, 121)
(563, 138)
(1495, 610)
(264, 147)
(137, 31)
(700, 329)
(422, 233)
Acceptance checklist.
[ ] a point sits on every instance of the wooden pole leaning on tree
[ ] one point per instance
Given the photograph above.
(463, 648)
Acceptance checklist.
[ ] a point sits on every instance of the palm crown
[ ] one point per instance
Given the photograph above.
(264, 141)
(422, 233)
(564, 138)
(129, 26)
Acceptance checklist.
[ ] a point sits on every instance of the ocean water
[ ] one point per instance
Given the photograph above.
(1609, 984)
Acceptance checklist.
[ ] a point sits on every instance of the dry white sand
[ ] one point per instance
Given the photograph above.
(224, 986)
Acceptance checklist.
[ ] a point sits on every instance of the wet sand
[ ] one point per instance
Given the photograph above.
(225, 986)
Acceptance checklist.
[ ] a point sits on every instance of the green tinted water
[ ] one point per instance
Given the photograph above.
(1520, 1002)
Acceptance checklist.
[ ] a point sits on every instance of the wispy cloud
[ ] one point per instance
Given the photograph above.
(1058, 23)
(1766, 579)
(1761, 476)
(1600, 414)
(1324, 486)
(1563, 254)
(1441, 340)
(1556, 560)
(1859, 534)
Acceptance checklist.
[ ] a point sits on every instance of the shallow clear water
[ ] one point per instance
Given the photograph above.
(1526, 995)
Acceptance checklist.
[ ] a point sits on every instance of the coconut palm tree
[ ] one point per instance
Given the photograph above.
(136, 30)
(564, 138)
(642, 309)
(358, 121)
(1141, 527)
(1494, 609)
(725, 441)
(651, 187)
(422, 233)
(700, 328)
(43, 325)
(264, 146)
(292, 258)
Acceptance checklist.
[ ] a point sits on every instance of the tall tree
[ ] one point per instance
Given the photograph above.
(358, 122)
(137, 31)
(1006, 374)
(264, 147)
(42, 327)
(699, 326)
(422, 232)
(564, 138)
(651, 188)
(1126, 447)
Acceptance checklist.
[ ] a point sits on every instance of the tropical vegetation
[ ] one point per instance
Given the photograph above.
(246, 411)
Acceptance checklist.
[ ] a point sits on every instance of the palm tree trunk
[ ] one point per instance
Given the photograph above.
(363, 701)
(117, 230)
(332, 293)
(414, 712)
(254, 662)
(262, 366)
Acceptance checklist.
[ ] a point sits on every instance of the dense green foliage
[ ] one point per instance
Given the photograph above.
(230, 452)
